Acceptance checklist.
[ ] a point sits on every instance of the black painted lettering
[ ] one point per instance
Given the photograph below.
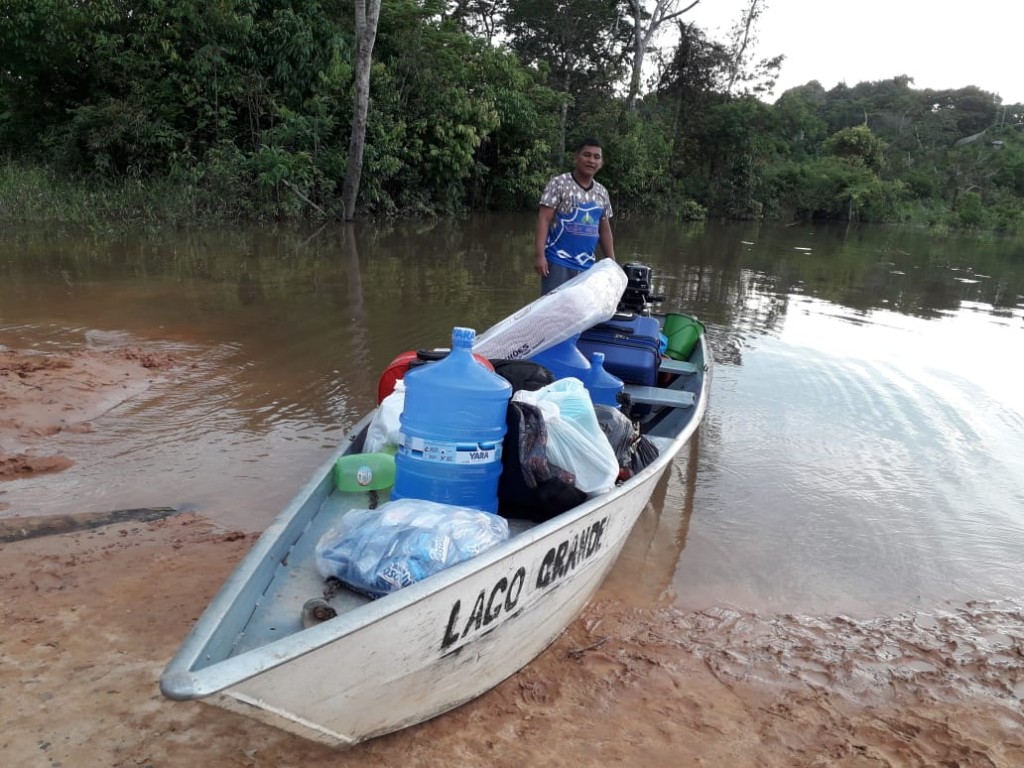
(560, 560)
(449, 635)
(544, 573)
(574, 550)
(498, 589)
(515, 588)
(595, 541)
(476, 617)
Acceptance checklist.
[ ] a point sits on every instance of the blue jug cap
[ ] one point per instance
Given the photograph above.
(463, 337)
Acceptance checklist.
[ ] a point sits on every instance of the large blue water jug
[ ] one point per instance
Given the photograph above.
(452, 425)
(604, 388)
(564, 360)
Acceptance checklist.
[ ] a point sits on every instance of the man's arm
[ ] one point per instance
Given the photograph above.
(540, 238)
(605, 238)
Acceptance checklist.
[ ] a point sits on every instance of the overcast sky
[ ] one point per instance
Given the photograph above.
(939, 43)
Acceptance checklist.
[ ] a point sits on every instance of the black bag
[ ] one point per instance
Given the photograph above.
(530, 487)
(523, 374)
(632, 450)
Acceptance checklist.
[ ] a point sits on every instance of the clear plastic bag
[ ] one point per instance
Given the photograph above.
(382, 434)
(379, 551)
(576, 441)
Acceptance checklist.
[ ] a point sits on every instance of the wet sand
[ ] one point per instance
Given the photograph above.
(91, 617)
(42, 395)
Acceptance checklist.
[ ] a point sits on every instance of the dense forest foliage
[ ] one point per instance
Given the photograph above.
(243, 108)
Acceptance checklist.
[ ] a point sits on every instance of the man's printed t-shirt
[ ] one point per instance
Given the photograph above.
(576, 225)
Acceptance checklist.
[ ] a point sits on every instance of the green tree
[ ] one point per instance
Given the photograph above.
(797, 115)
(857, 145)
(692, 82)
(582, 43)
(738, 142)
(480, 18)
(247, 108)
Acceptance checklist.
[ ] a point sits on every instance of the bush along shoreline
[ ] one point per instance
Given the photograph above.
(243, 111)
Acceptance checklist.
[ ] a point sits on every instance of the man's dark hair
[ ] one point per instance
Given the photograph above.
(588, 143)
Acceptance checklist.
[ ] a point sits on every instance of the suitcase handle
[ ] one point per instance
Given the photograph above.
(612, 327)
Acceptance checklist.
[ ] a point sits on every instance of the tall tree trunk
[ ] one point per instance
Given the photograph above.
(741, 39)
(367, 14)
(640, 41)
(663, 12)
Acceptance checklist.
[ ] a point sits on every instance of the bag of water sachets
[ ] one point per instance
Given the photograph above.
(379, 551)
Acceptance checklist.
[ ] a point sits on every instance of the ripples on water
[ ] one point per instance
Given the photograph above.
(223, 435)
(860, 462)
(850, 458)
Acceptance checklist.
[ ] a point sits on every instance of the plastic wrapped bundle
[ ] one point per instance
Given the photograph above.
(590, 298)
(644, 452)
(632, 450)
(619, 430)
(379, 551)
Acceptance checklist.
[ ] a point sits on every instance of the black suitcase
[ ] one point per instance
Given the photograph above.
(631, 347)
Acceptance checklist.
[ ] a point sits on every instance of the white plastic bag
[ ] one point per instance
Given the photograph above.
(383, 433)
(378, 551)
(584, 301)
(576, 441)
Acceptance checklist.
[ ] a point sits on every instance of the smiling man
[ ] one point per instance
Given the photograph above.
(573, 219)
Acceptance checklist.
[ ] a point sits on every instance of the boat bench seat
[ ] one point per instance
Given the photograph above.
(661, 396)
(669, 365)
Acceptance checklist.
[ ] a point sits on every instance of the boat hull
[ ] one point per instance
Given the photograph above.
(450, 647)
(385, 664)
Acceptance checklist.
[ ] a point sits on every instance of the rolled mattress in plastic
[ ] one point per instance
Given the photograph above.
(588, 299)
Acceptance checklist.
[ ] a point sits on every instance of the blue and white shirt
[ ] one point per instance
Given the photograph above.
(575, 229)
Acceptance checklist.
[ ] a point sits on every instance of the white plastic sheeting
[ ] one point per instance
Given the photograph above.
(588, 299)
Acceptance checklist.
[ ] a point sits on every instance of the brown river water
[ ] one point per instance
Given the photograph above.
(842, 538)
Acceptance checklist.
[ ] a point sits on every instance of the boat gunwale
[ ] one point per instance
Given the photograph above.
(192, 674)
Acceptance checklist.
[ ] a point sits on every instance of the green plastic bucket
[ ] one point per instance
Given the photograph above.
(682, 332)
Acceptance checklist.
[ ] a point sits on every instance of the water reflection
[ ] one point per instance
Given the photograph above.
(863, 445)
(863, 268)
(865, 463)
(643, 575)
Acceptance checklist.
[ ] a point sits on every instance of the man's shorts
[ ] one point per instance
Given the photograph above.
(557, 274)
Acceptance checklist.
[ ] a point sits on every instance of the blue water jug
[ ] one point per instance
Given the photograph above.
(451, 428)
(604, 388)
(564, 360)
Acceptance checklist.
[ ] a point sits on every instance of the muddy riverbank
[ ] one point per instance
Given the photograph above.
(92, 615)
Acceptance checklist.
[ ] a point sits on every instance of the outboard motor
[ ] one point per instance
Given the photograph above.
(637, 297)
